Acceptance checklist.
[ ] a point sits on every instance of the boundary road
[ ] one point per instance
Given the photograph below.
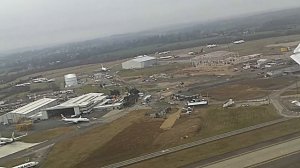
(193, 144)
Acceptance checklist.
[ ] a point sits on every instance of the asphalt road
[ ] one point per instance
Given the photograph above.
(290, 161)
(256, 157)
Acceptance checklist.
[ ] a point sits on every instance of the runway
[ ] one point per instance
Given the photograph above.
(289, 161)
(264, 157)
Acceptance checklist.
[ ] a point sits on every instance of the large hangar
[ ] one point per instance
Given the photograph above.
(77, 105)
(29, 111)
(139, 62)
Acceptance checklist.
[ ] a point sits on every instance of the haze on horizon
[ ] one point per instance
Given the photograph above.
(26, 23)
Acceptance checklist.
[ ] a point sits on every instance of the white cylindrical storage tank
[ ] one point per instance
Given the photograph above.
(70, 80)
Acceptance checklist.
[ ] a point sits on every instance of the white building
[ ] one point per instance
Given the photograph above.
(70, 80)
(139, 62)
(260, 62)
(29, 110)
(77, 105)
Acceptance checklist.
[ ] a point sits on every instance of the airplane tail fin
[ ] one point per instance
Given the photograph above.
(79, 116)
(62, 116)
(13, 135)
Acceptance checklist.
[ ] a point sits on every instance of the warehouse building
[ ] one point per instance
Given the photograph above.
(28, 111)
(77, 105)
(71, 80)
(139, 62)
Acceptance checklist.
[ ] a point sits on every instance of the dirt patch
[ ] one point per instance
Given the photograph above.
(184, 128)
(170, 121)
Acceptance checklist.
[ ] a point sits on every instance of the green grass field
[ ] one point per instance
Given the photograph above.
(217, 120)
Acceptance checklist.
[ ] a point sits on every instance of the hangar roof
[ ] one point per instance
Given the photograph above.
(81, 101)
(33, 106)
(143, 58)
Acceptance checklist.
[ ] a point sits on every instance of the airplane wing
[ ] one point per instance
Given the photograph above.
(71, 122)
(297, 50)
(296, 57)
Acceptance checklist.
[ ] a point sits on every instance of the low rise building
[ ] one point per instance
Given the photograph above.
(139, 62)
(29, 110)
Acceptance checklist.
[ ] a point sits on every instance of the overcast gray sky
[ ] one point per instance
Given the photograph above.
(25, 23)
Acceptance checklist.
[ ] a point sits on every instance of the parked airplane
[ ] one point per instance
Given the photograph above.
(27, 165)
(74, 120)
(5, 141)
(239, 42)
(211, 46)
(103, 69)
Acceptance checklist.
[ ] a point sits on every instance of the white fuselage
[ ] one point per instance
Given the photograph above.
(4, 141)
(76, 120)
(27, 165)
(104, 69)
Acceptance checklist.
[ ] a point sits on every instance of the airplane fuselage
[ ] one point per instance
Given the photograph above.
(76, 120)
(27, 165)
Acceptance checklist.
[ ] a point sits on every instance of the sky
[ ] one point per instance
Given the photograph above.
(27, 23)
